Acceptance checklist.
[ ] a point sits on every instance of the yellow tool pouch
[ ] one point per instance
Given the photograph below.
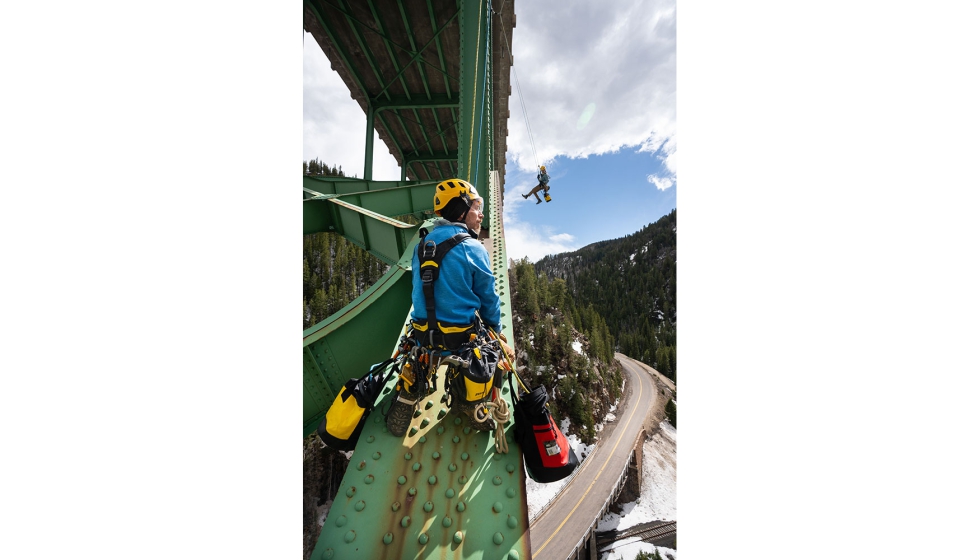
(474, 382)
(344, 420)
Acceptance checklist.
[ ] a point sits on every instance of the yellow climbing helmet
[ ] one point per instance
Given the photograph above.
(542, 169)
(450, 189)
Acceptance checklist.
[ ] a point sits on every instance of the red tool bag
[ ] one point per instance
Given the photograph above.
(547, 455)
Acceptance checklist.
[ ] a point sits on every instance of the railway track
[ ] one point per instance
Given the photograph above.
(663, 533)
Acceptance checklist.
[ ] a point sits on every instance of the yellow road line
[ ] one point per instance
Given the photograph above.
(594, 480)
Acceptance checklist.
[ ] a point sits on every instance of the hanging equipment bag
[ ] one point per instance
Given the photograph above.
(547, 455)
(345, 418)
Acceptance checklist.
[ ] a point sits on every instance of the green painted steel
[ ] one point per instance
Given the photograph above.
(440, 491)
(474, 54)
(348, 342)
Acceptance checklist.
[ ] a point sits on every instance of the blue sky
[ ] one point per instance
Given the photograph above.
(599, 84)
(593, 199)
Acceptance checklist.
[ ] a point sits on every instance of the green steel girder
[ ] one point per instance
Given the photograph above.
(474, 57)
(348, 342)
(451, 156)
(372, 230)
(436, 101)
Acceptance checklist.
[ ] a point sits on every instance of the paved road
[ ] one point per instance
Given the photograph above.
(557, 530)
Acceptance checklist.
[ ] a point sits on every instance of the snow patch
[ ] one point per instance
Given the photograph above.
(577, 346)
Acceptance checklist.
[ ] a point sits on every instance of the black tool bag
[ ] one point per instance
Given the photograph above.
(344, 420)
(547, 455)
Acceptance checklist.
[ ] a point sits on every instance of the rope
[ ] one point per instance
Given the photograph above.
(513, 369)
(520, 94)
(500, 412)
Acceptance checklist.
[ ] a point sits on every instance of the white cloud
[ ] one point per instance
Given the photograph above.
(333, 123)
(529, 240)
(594, 77)
(662, 183)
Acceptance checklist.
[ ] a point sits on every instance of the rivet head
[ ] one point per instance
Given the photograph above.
(377, 455)
(511, 492)
(408, 456)
(412, 491)
(510, 467)
(461, 506)
(396, 506)
(447, 521)
(462, 479)
(370, 439)
(428, 506)
(428, 405)
(465, 456)
(422, 439)
(388, 538)
(402, 479)
(497, 481)
(359, 506)
(327, 554)
(349, 537)
(432, 479)
(341, 521)
(457, 421)
(416, 414)
(425, 422)
(423, 538)
(498, 507)
(513, 555)
(450, 493)
(511, 521)
(440, 430)
(466, 430)
(435, 455)
(458, 537)
(498, 538)
(369, 479)
(442, 413)
(350, 491)
(455, 439)
(416, 466)
(361, 465)
(452, 467)
(406, 520)
(413, 431)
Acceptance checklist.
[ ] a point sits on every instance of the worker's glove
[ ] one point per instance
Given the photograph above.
(507, 349)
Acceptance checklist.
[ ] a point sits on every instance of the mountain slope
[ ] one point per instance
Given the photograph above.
(630, 282)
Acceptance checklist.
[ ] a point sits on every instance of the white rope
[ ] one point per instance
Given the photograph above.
(500, 412)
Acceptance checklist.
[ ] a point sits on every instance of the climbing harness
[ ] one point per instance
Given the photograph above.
(473, 374)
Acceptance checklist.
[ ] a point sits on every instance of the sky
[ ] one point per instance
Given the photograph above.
(599, 85)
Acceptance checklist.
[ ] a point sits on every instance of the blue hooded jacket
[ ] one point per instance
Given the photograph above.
(465, 284)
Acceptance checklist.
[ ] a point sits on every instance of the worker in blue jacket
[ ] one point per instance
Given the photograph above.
(464, 287)
(543, 179)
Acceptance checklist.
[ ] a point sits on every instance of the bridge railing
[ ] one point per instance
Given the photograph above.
(613, 494)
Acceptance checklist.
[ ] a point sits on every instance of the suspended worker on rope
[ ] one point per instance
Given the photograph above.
(543, 179)
(453, 288)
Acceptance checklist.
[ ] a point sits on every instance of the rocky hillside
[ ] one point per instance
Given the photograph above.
(582, 377)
